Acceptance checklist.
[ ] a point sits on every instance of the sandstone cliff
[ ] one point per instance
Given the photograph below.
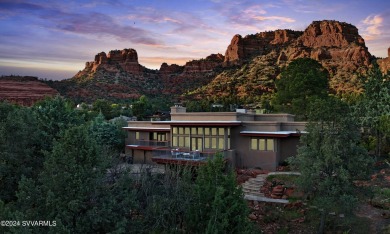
(247, 70)
(336, 45)
(24, 90)
(117, 60)
(384, 64)
(241, 49)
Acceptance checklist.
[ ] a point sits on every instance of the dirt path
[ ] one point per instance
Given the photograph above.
(378, 222)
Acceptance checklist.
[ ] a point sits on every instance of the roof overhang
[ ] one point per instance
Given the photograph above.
(278, 134)
(147, 129)
(205, 123)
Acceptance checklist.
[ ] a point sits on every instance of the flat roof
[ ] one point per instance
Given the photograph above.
(205, 123)
(272, 134)
(148, 129)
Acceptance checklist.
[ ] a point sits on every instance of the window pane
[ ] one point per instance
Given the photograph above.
(207, 131)
(200, 131)
(193, 131)
(187, 141)
(181, 141)
(213, 131)
(270, 144)
(137, 135)
(261, 144)
(174, 141)
(207, 143)
(228, 143)
(228, 131)
(221, 143)
(181, 130)
(174, 130)
(199, 145)
(221, 131)
(154, 136)
(187, 131)
(193, 143)
(213, 143)
(254, 144)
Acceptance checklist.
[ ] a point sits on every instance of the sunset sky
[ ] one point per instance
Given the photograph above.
(54, 39)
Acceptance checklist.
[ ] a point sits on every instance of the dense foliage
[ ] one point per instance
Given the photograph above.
(58, 167)
(303, 81)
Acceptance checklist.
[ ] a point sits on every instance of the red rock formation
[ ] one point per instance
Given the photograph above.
(322, 40)
(127, 59)
(336, 45)
(384, 64)
(24, 90)
(261, 43)
(170, 69)
(204, 65)
(329, 33)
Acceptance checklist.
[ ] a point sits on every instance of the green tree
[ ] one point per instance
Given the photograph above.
(20, 149)
(373, 108)
(103, 106)
(164, 199)
(77, 189)
(107, 133)
(142, 108)
(218, 205)
(303, 81)
(54, 116)
(331, 157)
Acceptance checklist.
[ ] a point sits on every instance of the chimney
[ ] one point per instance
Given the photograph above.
(177, 108)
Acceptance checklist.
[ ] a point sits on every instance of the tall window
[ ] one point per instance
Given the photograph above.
(159, 136)
(137, 135)
(262, 144)
(201, 137)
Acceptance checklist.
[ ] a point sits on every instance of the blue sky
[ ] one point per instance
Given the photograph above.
(54, 39)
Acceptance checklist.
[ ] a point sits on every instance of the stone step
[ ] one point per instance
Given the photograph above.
(255, 194)
(246, 186)
(257, 179)
(263, 199)
(250, 189)
(255, 184)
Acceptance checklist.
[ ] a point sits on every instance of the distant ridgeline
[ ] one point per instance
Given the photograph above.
(246, 71)
(24, 90)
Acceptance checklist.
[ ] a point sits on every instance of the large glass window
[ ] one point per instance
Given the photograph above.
(206, 137)
(262, 144)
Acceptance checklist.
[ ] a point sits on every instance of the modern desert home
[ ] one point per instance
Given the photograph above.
(246, 139)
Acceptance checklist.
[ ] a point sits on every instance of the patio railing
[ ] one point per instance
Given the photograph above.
(186, 155)
(153, 143)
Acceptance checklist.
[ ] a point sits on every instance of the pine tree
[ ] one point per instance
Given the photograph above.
(20, 150)
(303, 81)
(218, 205)
(330, 158)
(373, 109)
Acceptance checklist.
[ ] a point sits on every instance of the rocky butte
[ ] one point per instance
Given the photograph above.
(248, 69)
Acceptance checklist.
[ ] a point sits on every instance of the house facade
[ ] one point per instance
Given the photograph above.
(244, 138)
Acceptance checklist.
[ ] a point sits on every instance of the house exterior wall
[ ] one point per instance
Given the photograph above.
(288, 147)
(142, 157)
(279, 130)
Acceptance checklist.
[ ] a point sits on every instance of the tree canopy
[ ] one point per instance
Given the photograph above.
(300, 83)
